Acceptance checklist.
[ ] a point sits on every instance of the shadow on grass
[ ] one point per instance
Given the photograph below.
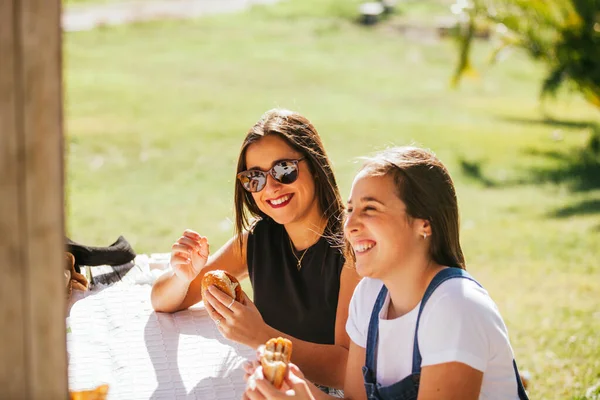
(578, 168)
(549, 121)
(472, 170)
(586, 207)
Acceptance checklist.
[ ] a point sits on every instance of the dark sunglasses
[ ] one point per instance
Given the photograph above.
(284, 171)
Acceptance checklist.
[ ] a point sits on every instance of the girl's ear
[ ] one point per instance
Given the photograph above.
(424, 228)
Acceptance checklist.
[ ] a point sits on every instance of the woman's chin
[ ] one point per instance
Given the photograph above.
(280, 216)
(283, 216)
(280, 219)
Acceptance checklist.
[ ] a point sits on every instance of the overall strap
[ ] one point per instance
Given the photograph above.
(373, 332)
(438, 279)
(520, 387)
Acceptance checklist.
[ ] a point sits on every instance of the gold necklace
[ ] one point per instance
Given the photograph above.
(299, 265)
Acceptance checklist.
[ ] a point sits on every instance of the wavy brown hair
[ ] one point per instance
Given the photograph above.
(300, 134)
(426, 188)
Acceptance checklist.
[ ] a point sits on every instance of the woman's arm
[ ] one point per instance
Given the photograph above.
(323, 364)
(172, 293)
(450, 381)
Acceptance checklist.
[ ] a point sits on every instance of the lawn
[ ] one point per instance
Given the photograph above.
(155, 114)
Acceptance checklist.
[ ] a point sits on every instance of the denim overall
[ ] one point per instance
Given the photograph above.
(408, 388)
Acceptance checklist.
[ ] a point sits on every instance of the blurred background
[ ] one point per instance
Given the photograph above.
(160, 94)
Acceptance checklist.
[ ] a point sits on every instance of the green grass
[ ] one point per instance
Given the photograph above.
(155, 115)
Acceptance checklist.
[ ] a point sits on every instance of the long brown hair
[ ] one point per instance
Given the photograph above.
(301, 135)
(426, 188)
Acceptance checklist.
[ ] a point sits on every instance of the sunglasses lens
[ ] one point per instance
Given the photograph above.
(285, 172)
(253, 181)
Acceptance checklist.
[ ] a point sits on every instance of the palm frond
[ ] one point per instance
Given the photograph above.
(563, 34)
(465, 40)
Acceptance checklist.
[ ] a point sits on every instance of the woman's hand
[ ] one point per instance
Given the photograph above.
(189, 255)
(295, 387)
(237, 321)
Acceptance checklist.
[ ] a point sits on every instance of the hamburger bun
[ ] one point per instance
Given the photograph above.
(274, 359)
(226, 283)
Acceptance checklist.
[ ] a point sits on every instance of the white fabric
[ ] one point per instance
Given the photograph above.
(114, 337)
(460, 322)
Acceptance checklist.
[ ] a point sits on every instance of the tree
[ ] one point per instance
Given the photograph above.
(563, 34)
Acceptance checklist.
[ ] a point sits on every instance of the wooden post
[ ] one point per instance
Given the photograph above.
(33, 361)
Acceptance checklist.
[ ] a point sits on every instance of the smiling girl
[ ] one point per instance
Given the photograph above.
(290, 251)
(420, 326)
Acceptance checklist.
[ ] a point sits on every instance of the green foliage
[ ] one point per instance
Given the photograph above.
(563, 34)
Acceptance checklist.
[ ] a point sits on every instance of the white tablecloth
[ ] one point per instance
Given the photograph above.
(114, 337)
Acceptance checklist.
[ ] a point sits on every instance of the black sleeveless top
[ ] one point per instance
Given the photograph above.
(301, 303)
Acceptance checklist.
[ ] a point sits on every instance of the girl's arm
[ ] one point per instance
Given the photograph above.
(450, 381)
(304, 390)
(354, 386)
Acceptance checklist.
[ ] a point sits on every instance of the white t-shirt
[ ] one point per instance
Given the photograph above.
(460, 322)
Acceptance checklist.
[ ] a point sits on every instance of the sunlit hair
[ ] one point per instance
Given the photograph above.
(301, 135)
(424, 185)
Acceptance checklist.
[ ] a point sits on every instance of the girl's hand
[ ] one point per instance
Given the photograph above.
(237, 321)
(249, 369)
(296, 387)
(189, 255)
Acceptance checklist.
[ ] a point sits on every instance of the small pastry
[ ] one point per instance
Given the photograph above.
(274, 359)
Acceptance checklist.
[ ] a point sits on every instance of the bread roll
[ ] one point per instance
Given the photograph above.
(274, 360)
(226, 283)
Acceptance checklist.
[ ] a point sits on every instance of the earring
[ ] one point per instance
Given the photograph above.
(425, 236)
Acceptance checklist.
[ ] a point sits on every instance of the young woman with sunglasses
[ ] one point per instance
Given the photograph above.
(288, 214)
(420, 326)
